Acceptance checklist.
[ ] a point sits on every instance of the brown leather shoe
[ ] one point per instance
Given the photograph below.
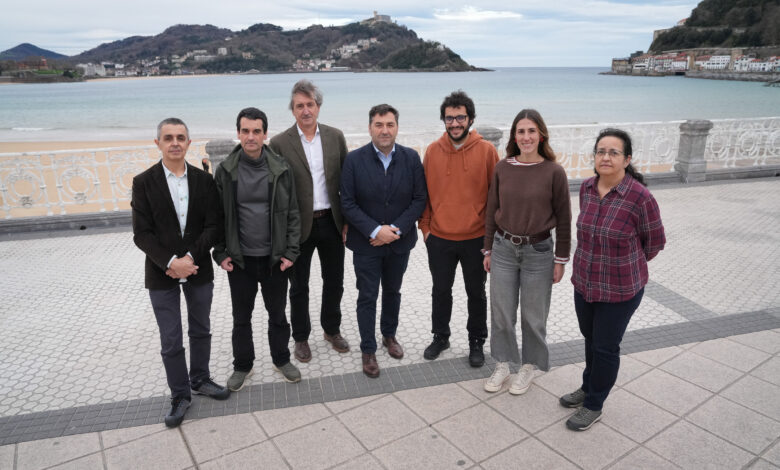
(338, 342)
(393, 348)
(302, 351)
(370, 367)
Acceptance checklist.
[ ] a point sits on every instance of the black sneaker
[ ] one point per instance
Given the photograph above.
(439, 344)
(476, 355)
(179, 407)
(210, 389)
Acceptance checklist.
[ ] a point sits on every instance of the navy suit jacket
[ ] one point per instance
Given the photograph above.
(371, 196)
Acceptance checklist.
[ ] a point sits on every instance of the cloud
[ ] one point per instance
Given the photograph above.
(469, 13)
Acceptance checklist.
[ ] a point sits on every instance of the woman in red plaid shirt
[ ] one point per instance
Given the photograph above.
(619, 230)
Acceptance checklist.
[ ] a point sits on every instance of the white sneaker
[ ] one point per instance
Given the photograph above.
(523, 381)
(496, 381)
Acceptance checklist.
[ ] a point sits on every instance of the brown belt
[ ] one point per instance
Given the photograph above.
(524, 239)
(321, 213)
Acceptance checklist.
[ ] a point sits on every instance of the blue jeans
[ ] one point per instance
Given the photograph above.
(370, 270)
(527, 270)
(166, 304)
(603, 325)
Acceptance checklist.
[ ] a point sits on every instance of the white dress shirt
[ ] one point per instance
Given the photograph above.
(180, 194)
(316, 161)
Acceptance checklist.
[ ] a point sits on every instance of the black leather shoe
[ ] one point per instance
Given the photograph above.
(439, 344)
(476, 355)
(179, 407)
(210, 389)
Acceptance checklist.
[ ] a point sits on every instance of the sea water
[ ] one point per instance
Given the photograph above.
(129, 109)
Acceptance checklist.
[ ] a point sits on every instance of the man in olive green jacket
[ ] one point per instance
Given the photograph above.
(262, 232)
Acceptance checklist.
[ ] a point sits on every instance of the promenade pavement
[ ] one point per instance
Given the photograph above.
(82, 385)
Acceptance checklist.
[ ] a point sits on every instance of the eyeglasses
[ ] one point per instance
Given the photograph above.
(601, 153)
(462, 118)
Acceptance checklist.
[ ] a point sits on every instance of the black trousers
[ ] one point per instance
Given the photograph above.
(603, 325)
(371, 271)
(243, 291)
(443, 258)
(325, 237)
(166, 304)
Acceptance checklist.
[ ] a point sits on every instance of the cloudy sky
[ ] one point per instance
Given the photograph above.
(487, 33)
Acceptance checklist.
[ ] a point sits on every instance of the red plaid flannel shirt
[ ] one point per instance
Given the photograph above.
(616, 237)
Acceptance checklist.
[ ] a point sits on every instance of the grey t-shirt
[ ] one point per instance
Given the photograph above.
(254, 204)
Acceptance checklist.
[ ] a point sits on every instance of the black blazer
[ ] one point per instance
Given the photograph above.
(371, 196)
(156, 228)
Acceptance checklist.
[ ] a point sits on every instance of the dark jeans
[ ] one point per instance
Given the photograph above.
(370, 271)
(167, 310)
(603, 325)
(443, 258)
(243, 291)
(326, 238)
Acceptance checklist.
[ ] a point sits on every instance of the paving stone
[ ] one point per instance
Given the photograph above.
(731, 353)
(340, 406)
(737, 424)
(656, 357)
(115, 437)
(532, 411)
(643, 458)
(560, 380)
(668, 392)
(380, 421)
(215, 437)
(597, 447)
(762, 464)
(480, 432)
(7, 456)
(703, 372)
(528, 454)
(320, 446)
(50, 452)
(276, 422)
(755, 394)
(436, 403)
(165, 450)
(476, 387)
(773, 454)
(769, 371)
(90, 462)
(630, 369)
(262, 455)
(690, 447)
(634, 417)
(363, 462)
(423, 449)
(767, 341)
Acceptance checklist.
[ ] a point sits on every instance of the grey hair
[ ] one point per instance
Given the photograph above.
(307, 88)
(173, 121)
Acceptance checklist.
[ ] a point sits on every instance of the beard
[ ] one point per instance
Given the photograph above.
(463, 136)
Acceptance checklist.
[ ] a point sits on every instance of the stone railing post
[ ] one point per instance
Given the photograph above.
(690, 163)
(218, 150)
(492, 135)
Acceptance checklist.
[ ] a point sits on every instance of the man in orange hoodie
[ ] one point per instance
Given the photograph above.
(458, 170)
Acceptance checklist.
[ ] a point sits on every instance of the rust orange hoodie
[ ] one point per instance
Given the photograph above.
(458, 181)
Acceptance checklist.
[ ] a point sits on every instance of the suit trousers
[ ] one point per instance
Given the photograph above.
(166, 304)
(603, 325)
(443, 258)
(243, 292)
(371, 270)
(325, 237)
(527, 269)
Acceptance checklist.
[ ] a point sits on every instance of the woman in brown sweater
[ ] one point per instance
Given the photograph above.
(528, 197)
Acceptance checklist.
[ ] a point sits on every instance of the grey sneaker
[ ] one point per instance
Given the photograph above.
(496, 381)
(236, 380)
(289, 372)
(583, 419)
(573, 399)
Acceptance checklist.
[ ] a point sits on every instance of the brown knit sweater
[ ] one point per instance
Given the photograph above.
(526, 200)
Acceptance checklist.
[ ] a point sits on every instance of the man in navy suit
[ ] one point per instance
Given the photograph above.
(176, 220)
(383, 193)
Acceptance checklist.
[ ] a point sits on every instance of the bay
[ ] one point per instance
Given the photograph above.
(128, 109)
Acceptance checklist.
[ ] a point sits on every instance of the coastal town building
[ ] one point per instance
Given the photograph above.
(677, 62)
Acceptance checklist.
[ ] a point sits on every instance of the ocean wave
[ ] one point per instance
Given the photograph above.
(31, 129)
